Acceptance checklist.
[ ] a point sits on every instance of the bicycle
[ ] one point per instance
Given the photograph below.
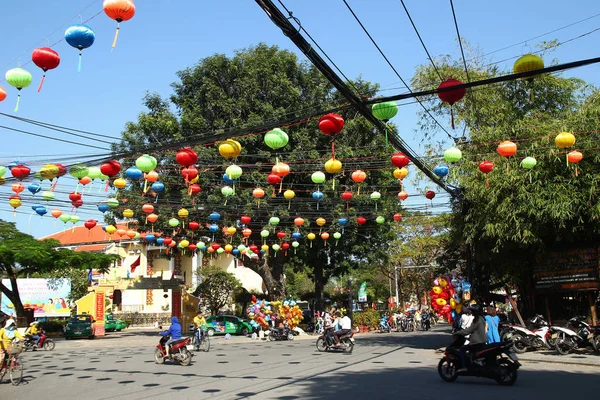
(12, 364)
(201, 343)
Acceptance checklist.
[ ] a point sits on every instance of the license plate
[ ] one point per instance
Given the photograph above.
(554, 335)
(78, 333)
(352, 339)
(190, 347)
(513, 356)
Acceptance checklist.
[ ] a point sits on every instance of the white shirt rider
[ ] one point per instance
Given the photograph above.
(345, 322)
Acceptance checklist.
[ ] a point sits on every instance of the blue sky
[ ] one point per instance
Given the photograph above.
(166, 36)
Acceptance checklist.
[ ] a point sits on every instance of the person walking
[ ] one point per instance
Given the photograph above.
(491, 326)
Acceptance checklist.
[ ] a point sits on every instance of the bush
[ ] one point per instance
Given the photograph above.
(366, 318)
(53, 326)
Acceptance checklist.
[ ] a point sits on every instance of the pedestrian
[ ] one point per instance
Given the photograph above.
(491, 326)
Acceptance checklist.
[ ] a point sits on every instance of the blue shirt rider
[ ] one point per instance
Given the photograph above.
(174, 331)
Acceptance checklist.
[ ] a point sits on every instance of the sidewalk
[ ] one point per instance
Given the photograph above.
(577, 358)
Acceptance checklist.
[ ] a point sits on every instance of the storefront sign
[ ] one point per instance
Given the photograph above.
(568, 270)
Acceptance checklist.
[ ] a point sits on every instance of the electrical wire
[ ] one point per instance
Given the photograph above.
(51, 138)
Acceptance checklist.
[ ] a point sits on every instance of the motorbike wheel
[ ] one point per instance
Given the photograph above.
(551, 342)
(158, 357)
(596, 343)
(507, 374)
(290, 336)
(519, 346)
(15, 371)
(321, 345)
(49, 345)
(447, 370)
(186, 357)
(348, 346)
(205, 345)
(564, 345)
(272, 337)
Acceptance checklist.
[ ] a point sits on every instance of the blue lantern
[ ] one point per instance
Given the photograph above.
(34, 188)
(227, 179)
(214, 228)
(262, 252)
(103, 207)
(134, 173)
(150, 238)
(157, 187)
(35, 206)
(214, 216)
(104, 226)
(160, 241)
(296, 235)
(41, 211)
(235, 252)
(81, 37)
(441, 171)
(343, 221)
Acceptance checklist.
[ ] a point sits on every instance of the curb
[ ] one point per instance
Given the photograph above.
(578, 363)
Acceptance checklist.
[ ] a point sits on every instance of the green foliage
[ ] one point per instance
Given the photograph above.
(366, 317)
(53, 325)
(216, 287)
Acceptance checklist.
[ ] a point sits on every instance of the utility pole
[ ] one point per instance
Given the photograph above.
(396, 280)
(350, 298)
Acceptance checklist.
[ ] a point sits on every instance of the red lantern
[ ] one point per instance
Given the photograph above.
(90, 224)
(62, 170)
(193, 225)
(189, 173)
(507, 148)
(119, 10)
(347, 196)
(245, 219)
(397, 217)
(273, 179)
(74, 196)
(46, 59)
(361, 220)
(194, 189)
(451, 96)
(20, 172)
(186, 157)
(402, 195)
(574, 157)
(331, 124)
(167, 241)
(281, 234)
(77, 203)
(215, 246)
(110, 168)
(430, 194)
(400, 160)
(192, 247)
(486, 167)
(285, 245)
(254, 248)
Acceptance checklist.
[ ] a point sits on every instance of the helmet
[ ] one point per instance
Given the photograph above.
(475, 309)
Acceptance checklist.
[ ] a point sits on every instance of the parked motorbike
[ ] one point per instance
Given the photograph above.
(45, 342)
(538, 335)
(494, 361)
(281, 334)
(384, 325)
(326, 341)
(179, 351)
(425, 321)
(568, 340)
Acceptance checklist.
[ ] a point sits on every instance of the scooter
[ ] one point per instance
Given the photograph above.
(494, 361)
(425, 321)
(45, 342)
(384, 326)
(326, 341)
(568, 340)
(523, 338)
(179, 351)
(281, 334)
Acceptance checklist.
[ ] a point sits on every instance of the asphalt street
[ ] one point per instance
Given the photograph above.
(382, 366)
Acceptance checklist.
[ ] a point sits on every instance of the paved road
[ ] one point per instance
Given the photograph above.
(383, 366)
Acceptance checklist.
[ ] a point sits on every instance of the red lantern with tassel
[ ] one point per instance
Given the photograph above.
(451, 96)
(46, 59)
(186, 157)
(400, 160)
(331, 124)
(574, 157)
(486, 167)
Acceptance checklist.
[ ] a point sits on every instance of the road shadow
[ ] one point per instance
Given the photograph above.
(438, 336)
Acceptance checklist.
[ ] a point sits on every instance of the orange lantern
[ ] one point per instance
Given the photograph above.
(507, 149)
(258, 194)
(119, 10)
(281, 170)
(402, 195)
(121, 232)
(325, 236)
(359, 176)
(574, 157)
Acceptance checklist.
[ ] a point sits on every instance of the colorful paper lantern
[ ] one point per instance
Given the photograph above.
(46, 59)
(527, 63)
(230, 148)
(18, 78)
(276, 139)
(486, 167)
(119, 10)
(528, 162)
(80, 37)
(318, 177)
(452, 154)
(451, 96)
(574, 157)
(441, 171)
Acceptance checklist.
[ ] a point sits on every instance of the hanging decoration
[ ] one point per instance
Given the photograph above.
(46, 59)
(281, 170)
(526, 63)
(15, 202)
(331, 124)
(486, 167)
(80, 37)
(333, 166)
(507, 149)
(289, 195)
(451, 96)
(2, 93)
(359, 176)
(564, 140)
(375, 196)
(441, 171)
(347, 197)
(19, 79)
(20, 171)
(119, 10)
(276, 139)
(384, 112)
(230, 148)
(311, 236)
(528, 163)
(574, 157)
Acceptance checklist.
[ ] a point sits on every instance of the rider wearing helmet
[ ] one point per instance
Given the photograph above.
(32, 332)
(477, 339)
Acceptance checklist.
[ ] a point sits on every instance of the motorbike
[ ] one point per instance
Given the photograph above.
(45, 342)
(425, 321)
(326, 341)
(568, 340)
(281, 334)
(384, 326)
(494, 361)
(538, 335)
(407, 322)
(179, 351)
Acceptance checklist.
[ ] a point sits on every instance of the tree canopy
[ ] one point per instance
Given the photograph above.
(216, 288)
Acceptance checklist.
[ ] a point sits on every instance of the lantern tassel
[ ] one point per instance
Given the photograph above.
(79, 63)
(325, 245)
(273, 193)
(42, 82)
(567, 160)
(116, 35)
(487, 181)
(333, 185)
(280, 185)
(18, 101)
(106, 187)
(452, 116)
(332, 149)
(576, 171)
(358, 192)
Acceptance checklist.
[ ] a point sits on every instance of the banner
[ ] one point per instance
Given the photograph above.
(362, 292)
(47, 297)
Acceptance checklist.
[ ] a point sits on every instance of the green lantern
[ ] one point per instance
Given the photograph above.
(19, 78)
(201, 245)
(137, 235)
(375, 196)
(276, 139)
(273, 221)
(78, 171)
(65, 217)
(173, 222)
(241, 247)
(220, 250)
(146, 163)
(48, 195)
(2, 170)
(528, 162)
(94, 172)
(226, 191)
(264, 233)
(276, 247)
(453, 154)
(380, 220)
(318, 177)
(337, 236)
(38, 175)
(75, 219)
(233, 172)
(385, 111)
(112, 202)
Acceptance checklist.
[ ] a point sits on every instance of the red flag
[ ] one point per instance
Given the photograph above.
(135, 264)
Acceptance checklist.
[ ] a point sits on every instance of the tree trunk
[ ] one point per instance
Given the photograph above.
(270, 270)
(319, 282)
(13, 296)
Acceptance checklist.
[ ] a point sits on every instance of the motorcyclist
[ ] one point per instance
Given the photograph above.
(174, 331)
(477, 339)
(7, 335)
(200, 326)
(32, 333)
(345, 325)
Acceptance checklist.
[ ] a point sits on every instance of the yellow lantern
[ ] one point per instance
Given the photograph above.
(15, 202)
(333, 166)
(183, 213)
(184, 243)
(526, 63)
(231, 230)
(49, 171)
(127, 213)
(230, 148)
(564, 140)
(311, 236)
(289, 194)
(321, 221)
(228, 248)
(110, 229)
(120, 183)
(400, 173)
(264, 247)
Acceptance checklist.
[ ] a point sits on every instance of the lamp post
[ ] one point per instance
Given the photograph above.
(396, 281)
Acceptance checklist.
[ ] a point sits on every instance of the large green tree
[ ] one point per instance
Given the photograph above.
(22, 255)
(257, 85)
(501, 228)
(216, 288)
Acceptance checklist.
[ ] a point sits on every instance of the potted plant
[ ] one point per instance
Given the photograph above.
(362, 321)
